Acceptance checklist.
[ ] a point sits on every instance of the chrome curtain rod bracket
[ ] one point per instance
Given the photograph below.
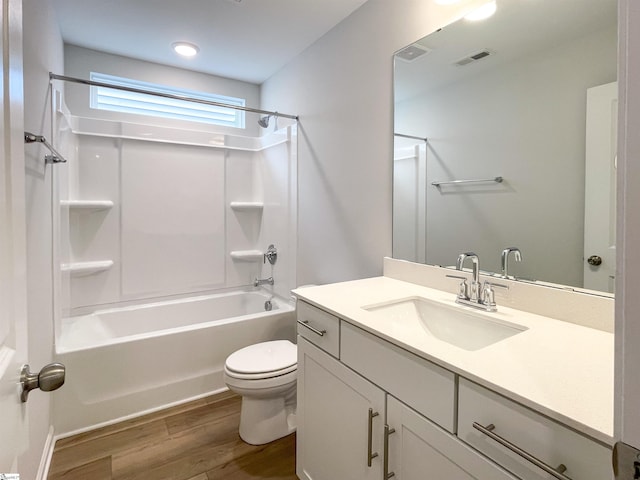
(464, 182)
(54, 157)
(426, 140)
(186, 98)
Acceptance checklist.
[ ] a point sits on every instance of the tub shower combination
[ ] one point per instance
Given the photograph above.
(125, 361)
(160, 278)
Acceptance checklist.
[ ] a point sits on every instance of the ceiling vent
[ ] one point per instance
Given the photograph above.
(412, 52)
(474, 57)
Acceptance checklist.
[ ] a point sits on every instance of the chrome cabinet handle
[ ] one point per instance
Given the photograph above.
(305, 323)
(554, 472)
(370, 453)
(385, 468)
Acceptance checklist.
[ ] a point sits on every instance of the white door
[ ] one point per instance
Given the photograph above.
(627, 391)
(600, 188)
(13, 320)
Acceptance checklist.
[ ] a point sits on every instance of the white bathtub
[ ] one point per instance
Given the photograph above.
(132, 360)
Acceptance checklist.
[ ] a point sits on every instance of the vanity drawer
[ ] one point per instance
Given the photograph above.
(319, 327)
(424, 386)
(548, 441)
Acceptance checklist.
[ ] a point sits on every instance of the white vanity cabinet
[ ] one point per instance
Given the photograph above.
(424, 386)
(420, 450)
(548, 441)
(370, 409)
(336, 411)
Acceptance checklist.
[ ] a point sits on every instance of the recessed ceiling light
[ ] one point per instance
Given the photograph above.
(485, 11)
(446, 2)
(185, 49)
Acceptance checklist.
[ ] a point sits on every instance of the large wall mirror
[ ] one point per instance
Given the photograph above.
(519, 115)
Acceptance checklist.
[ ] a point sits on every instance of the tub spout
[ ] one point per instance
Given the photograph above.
(263, 281)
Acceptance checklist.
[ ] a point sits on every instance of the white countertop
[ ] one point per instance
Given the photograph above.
(562, 370)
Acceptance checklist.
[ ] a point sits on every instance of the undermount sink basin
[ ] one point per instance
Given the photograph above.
(451, 324)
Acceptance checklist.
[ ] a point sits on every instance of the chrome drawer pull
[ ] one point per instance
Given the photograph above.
(554, 472)
(370, 453)
(385, 464)
(305, 323)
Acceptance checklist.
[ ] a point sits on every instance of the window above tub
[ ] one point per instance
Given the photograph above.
(104, 98)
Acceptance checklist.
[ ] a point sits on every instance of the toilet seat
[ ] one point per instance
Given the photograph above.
(259, 376)
(262, 360)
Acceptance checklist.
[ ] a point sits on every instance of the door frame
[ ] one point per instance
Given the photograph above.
(627, 323)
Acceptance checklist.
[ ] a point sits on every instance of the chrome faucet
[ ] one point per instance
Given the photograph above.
(263, 281)
(475, 295)
(504, 259)
(474, 290)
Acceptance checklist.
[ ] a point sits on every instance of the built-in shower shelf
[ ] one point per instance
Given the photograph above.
(87, 204)
(86, 268)
(247, 255)
(247, 206)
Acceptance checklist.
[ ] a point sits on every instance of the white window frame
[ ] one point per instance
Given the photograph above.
(104, 98)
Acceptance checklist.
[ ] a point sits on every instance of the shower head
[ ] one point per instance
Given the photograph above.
(264, 121)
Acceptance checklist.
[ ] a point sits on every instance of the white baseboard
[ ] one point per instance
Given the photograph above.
(47, 453)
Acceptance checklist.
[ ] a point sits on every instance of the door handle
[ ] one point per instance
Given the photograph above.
(594, 260)
(50, 378)
(626, 462)
(386, 474)
(370, 453)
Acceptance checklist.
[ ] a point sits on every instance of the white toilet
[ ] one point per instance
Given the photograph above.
(264, 375)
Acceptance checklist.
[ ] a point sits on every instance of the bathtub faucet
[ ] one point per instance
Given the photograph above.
(263, 281)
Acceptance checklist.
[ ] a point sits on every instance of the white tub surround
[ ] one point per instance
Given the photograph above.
(557, 368)
(158, 239)
(125, 362)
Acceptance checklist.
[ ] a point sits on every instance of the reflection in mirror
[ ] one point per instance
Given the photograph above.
(516, 96)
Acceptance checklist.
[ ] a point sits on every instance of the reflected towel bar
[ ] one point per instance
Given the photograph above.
(413, 137)
(461, 182)
(55, 157)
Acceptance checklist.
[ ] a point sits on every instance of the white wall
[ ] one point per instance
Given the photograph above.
(342, 89)
(80, 62)
(43, 52)
(472, 134)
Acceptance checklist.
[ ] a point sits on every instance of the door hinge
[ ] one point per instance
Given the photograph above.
(626, 462)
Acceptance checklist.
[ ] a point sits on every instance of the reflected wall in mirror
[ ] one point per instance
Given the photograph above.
(508, 97)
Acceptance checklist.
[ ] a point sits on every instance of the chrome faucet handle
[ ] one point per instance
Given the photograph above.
(489, 296)
(271, 254)
(463, 288)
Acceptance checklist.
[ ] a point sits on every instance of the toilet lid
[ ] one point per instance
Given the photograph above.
(263, 357)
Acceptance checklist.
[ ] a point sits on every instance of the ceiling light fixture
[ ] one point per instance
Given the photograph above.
(446, 2)
(485, 11)
(185, 49)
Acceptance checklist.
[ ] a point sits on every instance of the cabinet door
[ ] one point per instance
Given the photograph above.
(420, 450)
(333, 420)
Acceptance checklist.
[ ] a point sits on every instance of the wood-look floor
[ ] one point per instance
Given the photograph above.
(195, 441)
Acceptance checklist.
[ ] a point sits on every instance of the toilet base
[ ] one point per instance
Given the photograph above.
(265, 420)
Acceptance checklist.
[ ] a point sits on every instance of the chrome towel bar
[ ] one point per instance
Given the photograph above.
(55, 157)
(462, 182)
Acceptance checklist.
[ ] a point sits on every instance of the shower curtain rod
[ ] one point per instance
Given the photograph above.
(64, 78)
